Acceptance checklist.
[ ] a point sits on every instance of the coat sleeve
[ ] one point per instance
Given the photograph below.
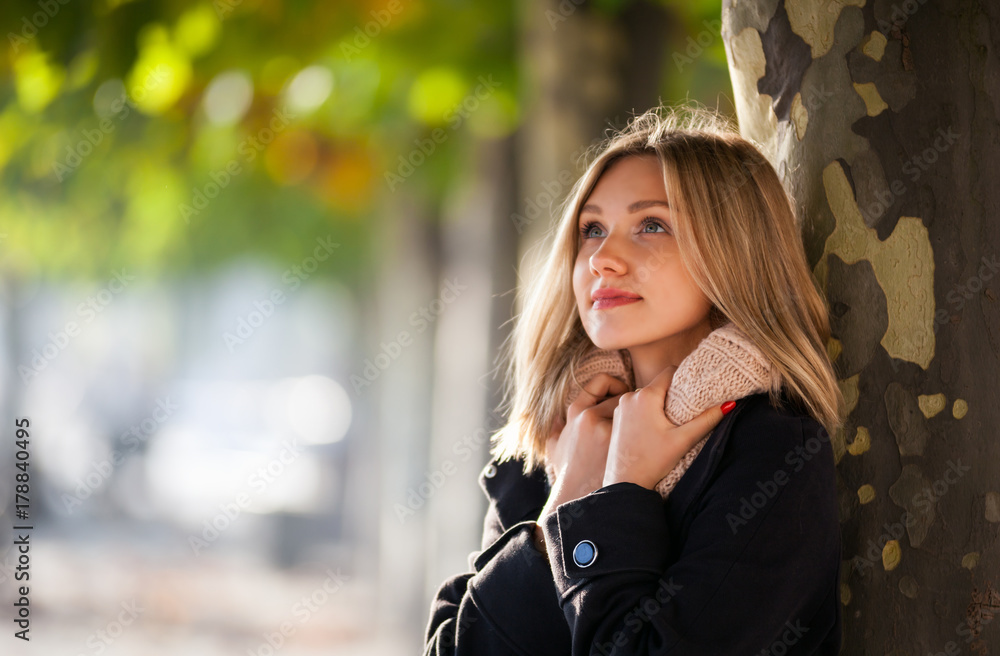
(758, 567)
(507, 602)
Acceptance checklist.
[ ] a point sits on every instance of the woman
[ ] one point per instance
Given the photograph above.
(679, 228)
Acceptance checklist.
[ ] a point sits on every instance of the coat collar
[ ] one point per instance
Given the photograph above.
(514, 495)
(693, 483)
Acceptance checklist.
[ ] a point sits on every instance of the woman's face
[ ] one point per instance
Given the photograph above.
(629, 246)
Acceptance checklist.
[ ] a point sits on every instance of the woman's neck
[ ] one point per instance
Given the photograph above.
(648, 360)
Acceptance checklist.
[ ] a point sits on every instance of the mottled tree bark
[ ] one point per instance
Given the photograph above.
(882, 120)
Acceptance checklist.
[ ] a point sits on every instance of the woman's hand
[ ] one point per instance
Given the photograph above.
(645, 445)
(578, 447)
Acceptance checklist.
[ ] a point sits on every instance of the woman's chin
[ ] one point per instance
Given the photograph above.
(609, 343)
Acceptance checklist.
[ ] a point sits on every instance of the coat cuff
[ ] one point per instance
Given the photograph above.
(514, 590)
(617, 528)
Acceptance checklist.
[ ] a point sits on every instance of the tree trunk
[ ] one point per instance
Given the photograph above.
(584, 72)
(477, 247)
(882, 120)
(399, 355)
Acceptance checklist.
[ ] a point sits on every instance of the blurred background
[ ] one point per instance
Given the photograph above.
(257, 258)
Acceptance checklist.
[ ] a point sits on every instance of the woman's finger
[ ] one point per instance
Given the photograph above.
(606, 408)
(598, 388)
(698, 427)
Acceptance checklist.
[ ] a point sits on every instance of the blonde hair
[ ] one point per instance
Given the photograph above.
(741, 244)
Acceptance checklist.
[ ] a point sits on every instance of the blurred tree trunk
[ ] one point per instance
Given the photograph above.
(476, 250)
(882, 120)
(397, 358)
(584, 71)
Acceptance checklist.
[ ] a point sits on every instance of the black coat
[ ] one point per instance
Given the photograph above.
(742, 558)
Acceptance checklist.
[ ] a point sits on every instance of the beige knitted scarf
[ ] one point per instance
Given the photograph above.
(724, 366)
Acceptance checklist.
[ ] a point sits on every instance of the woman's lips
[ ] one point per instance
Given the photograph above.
(605, 303)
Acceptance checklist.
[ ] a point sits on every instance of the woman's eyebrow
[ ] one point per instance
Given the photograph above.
(633, 208)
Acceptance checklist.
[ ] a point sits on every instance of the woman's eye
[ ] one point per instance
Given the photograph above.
(587, 227)
(644, 227)
(651, 221)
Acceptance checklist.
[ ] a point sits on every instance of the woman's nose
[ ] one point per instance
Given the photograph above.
(609, 257)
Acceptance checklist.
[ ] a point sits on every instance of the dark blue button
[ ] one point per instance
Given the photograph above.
(584, 553)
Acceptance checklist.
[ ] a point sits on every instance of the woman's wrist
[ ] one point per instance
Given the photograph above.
(569, 488)
(550, 507)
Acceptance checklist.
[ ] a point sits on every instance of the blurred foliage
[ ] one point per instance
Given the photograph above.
(164, 135)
